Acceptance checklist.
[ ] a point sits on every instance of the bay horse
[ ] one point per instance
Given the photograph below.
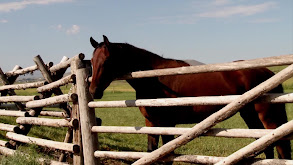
(113, 60)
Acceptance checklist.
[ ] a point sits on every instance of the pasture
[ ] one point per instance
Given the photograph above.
(120, 90)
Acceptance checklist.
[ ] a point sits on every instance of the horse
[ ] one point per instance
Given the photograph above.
(113, 60)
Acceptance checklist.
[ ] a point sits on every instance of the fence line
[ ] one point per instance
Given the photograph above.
(28, 115)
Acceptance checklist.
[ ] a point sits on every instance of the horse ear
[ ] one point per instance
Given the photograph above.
(106, 41)
(94, 43)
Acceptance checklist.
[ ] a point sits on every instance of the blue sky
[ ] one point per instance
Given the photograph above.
(210, 31)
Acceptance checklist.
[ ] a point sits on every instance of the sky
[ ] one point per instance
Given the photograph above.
(210, 31)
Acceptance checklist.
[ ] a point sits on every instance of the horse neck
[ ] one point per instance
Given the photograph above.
(143, 60)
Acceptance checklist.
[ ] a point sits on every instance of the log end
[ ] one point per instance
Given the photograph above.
(11, 144)
(74, 97)
(50, 64)
(46, 83)
(31, 113)
(36, 97)
(73, 78)
(16, 129)
(76, 149)
(75, 123)
(27, 114)
(81, 56)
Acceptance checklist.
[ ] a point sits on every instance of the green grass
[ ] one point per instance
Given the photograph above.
(20, 159)
(120, 90)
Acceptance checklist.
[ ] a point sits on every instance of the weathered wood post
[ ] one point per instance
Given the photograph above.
(219, 116)
(87, 118)
(76, 135)
(10, 80)
(49, 78)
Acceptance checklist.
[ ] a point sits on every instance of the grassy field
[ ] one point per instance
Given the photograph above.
(120, 90)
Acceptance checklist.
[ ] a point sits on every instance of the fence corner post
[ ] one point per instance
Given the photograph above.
(87, 118)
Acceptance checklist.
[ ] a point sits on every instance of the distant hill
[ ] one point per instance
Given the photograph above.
(194, 62)
(35, 76)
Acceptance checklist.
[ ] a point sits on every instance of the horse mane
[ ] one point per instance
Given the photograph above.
(149, 53)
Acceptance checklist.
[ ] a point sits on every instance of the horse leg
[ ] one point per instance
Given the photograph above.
(273, 116)
(166, 139)
(153, 140)
(250, 116)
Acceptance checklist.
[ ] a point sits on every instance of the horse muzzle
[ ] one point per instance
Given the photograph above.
(96, 94)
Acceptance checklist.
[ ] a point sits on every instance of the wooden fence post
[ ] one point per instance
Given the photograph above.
(76, 136)
(219, 116)
(48, 77)
(6, 81)
(87, 118)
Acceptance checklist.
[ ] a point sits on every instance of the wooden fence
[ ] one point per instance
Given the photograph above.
(79, 115)
(234, 103)
(29, 108)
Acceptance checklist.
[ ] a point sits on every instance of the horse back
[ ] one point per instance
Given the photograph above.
(216, 83)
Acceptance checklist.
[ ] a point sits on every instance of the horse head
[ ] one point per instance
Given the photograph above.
(102, 68)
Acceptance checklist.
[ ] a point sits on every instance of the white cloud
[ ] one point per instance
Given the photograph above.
(264, 20)
(183, 19)
(3, 21)
(243, 10)
(220, 2)
(57, 27)
(200, 10)
(13, 6)
(73, 30)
